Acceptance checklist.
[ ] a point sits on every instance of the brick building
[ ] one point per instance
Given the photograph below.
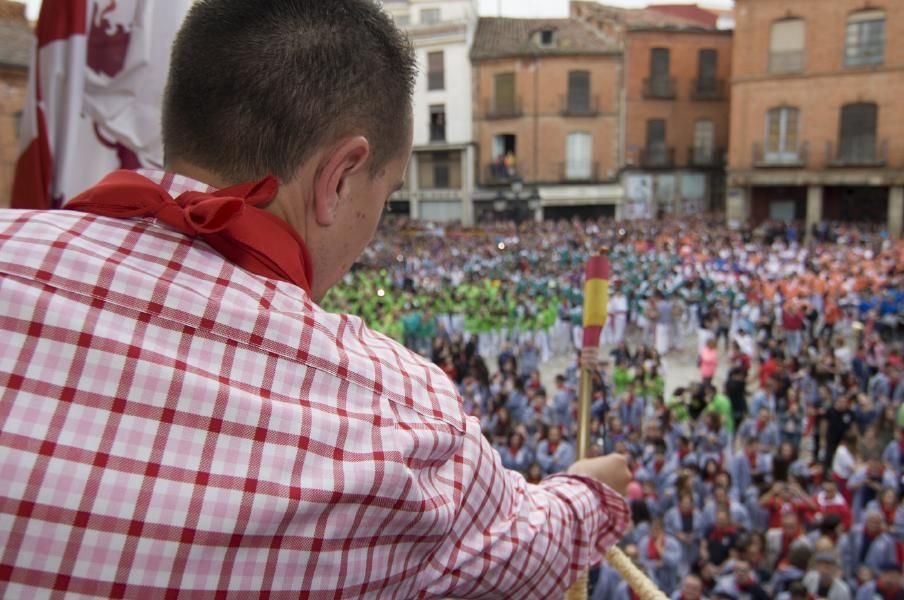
(547, 110)
(817, 123)
(15, 51)
(676, 131)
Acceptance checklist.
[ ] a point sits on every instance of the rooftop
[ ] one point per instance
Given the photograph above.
(502, 37)
(671, 17)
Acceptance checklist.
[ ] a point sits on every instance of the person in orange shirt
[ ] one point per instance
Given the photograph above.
(831, 317)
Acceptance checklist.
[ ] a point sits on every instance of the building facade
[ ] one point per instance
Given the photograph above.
(817, 123)
(677, 118)
(677, 67)
(440, 180)
(547, 116)
(15, 51)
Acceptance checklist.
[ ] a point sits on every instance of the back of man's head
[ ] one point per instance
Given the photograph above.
(255, 88)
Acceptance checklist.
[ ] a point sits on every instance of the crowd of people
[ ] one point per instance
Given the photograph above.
(776, 474)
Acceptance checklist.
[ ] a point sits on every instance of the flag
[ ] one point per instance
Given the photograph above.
(97, 76)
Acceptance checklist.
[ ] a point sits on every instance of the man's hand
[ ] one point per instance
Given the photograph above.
(611, 470)
(590, 358)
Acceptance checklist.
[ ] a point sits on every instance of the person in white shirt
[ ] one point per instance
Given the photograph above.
(844, 463)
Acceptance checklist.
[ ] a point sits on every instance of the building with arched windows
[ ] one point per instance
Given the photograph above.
(817, 124)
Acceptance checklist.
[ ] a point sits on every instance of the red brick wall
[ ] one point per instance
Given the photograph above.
(682, 113)
(825, 84)
(542, 87)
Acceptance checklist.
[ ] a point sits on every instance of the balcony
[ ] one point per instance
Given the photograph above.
(706, 157)
(497, 174)
(791, 61)
(503, 110)
(657, 157)
(659, 88)
(578, 171)
(571, 108)
(708, 89)
(789, 158)
(857, 155)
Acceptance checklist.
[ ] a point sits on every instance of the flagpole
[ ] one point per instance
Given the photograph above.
(596, 307)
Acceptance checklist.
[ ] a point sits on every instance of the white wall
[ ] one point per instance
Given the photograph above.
(456, 95)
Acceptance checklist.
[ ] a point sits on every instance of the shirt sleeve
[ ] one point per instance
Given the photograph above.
(515, 540)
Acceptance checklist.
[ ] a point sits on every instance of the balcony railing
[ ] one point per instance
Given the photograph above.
(579, 171)
(510, 110)
(698, 156)
(657, 156)
(663, 88)
(497, 174)
(857, 155)
(708, 89)
(570, 108)
(787, 158)
(790, 61)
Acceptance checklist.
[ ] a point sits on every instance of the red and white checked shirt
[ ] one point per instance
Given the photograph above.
(174, 426)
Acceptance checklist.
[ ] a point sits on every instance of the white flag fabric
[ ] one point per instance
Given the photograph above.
(95, 89)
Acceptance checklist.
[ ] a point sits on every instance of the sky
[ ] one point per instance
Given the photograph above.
(519, 8)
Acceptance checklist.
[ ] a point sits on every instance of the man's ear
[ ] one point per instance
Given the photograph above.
(332, 185)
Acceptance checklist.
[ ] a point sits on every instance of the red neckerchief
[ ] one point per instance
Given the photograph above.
(652, 550)
(228, 220)
(761, 425)
(889, 514)
(551, 447)
(658, 464)
(751, 458)
(886, 591)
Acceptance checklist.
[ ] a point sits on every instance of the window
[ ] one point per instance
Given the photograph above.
(659, 63)
(660, 85)
(436, 71)
(782, 134)
(579, 91)
(706, 70)
(579, 156)
(656, 152)
(504, 93)
(858, 132)
(704, 141)
(546, 38)
(402, 21)
(439, 170)
(865, 39)
(437, 123)
(505, 162)
(430, 16)
(786, 47)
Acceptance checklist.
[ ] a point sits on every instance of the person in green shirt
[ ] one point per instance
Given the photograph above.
(719, 403)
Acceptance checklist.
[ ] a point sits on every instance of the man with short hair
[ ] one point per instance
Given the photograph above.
(870, 544)
(691, 589)
(779, 540)
(179, 415)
